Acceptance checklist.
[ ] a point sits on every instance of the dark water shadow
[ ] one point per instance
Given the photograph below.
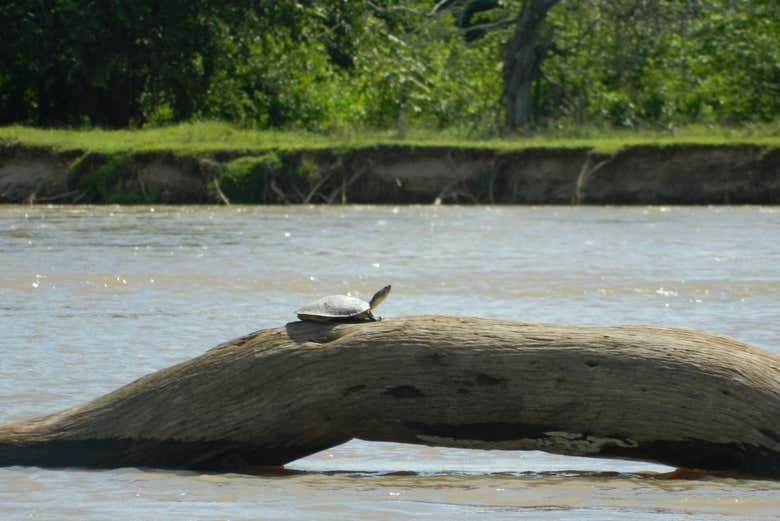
(274, 472)
(676, 475)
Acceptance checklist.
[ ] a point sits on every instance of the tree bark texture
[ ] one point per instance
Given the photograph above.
(523, 54)
(676, 396)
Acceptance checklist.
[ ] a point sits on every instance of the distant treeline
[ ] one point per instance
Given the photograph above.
(321, 65)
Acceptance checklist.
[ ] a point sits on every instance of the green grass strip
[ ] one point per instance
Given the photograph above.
(205, 137)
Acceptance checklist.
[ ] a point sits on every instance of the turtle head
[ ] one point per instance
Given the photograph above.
(379, 296)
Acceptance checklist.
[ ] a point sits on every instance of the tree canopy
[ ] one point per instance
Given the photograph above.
(323, 65)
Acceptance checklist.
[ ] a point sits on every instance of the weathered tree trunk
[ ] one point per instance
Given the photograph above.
(523, 54)
(670, 395)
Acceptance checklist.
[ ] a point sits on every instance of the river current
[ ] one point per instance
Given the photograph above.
(92, 298)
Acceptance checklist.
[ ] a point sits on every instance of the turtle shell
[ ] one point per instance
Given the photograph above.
(334, 307)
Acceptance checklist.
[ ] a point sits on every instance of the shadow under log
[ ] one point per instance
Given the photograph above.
(676, 396)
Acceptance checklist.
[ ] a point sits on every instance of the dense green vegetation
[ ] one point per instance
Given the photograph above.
(404, 67)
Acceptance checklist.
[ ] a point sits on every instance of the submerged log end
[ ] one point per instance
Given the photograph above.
(676, 396)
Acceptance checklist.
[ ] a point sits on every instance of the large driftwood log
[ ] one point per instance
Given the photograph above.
(677, 396)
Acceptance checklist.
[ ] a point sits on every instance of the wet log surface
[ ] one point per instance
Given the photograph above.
(677, 396)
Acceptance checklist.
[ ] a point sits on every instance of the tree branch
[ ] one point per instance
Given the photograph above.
(399, 8)
(488, 26)
(441, 6)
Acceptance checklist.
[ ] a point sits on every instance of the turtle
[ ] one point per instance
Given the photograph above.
(342, 308)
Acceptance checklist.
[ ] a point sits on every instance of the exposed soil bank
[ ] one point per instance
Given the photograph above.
(682, 174)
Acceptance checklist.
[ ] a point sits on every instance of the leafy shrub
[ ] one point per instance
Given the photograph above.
(248, 178)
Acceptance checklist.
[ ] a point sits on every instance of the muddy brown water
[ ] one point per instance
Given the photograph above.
(94, 297)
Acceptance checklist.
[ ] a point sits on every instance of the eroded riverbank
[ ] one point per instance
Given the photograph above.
(397, 174)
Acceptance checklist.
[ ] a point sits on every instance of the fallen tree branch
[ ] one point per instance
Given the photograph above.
(220, 193)
(586, 172)
(346, 183)
(332, 169)
(676, 396)
(279, 192)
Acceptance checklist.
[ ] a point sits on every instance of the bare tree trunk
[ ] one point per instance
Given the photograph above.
(523, 54)
(671, 395)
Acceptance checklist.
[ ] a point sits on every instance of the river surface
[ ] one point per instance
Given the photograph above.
(94, 297)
